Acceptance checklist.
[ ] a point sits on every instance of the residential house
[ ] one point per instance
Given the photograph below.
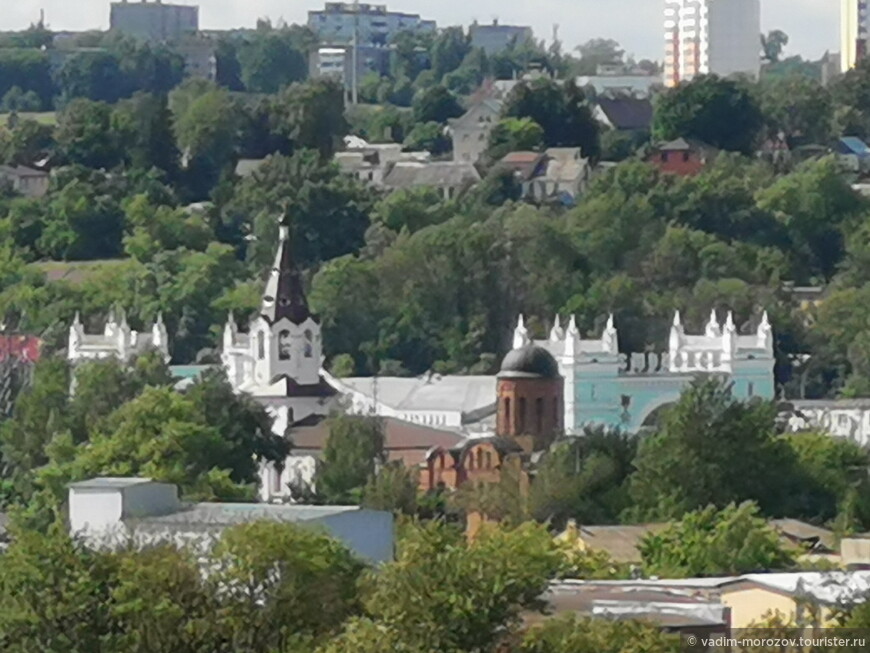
(117, 512)
(809, 599)
(448, 177)
(560, 173)
(624, 113)
(632, 82)
(470, 132)
(370, 163)
(853, 154)
(683, 156)
(25, 181)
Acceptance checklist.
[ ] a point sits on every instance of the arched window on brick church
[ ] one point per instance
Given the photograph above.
(488, 461)
(261, 345)
(480, 459)
(539, 413)
(507, 412)
(521, 419)
(469, 460)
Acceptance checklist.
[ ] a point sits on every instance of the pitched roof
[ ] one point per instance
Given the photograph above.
(828, 587)
(398, 435)
(284, 296)
(437, 174)
(619, 542)
(804, 533)
(21, 171)
(229, 514)
(526, 164)
(853, 145)
(627, 112)
(465, 394)
(682, 144)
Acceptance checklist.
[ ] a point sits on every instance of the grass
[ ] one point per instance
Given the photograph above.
(76, 272)
(43, 117)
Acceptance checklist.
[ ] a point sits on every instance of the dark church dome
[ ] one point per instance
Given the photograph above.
(528, 362)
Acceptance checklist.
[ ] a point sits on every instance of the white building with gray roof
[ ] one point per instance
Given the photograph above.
(118, 512)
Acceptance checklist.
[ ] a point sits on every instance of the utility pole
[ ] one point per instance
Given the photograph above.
(354, 84)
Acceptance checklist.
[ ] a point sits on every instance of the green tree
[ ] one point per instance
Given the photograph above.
(353, 450)
(412, 209)
(450, 47)
(514, 135)
(393, 487)
(814, 204)
(144, 125)
(283, 585)
(85, 136)
(560, 110)
(597, 52)
(161, 603)
(719, 112)
(690, 461)
(27, 143)
(570, 634)
(430, 137)
(93, 75)
(711, 542)
(269, 62)
(773, 44)
(328, 211)
(68, 613)
(27, 69)
(436, 104)
(311, 115)
(585, 479)
(443, 594)
(799, 107)
(206, 122)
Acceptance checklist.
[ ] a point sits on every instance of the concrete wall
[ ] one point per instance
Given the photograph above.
(368, 533)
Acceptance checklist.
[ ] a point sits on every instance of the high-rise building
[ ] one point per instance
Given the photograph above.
(343, 22)
(495, 38)
(854, 31)
(722, 37)
(154, 21)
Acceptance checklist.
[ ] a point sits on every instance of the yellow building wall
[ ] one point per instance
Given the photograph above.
(749, 606)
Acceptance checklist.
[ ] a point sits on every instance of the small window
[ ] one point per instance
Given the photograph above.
(284, 345)
(506, 415)
(539, 413)
(521, 420)
(276, 480)
(488, 460)
(480, 459)
(469, 460)
(261, 345)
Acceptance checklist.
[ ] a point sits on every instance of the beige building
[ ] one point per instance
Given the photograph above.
(470, 132)
(24, 180)
(718, 37)
(854, 20)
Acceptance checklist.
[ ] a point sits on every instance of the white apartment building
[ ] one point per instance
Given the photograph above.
(722, 37)
(854, 30)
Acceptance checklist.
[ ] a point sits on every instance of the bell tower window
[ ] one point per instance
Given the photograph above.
(309, 349)
(284, 345)
(261, 345)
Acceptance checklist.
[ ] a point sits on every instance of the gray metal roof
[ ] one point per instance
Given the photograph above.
(230, 514)
(109, 483)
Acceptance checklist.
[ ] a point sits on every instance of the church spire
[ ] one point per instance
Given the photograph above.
(285, 296)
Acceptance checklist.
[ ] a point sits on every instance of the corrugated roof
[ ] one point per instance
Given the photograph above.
(465, 394)
(229, 514)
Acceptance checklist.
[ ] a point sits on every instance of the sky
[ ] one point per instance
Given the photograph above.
(812, 25)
